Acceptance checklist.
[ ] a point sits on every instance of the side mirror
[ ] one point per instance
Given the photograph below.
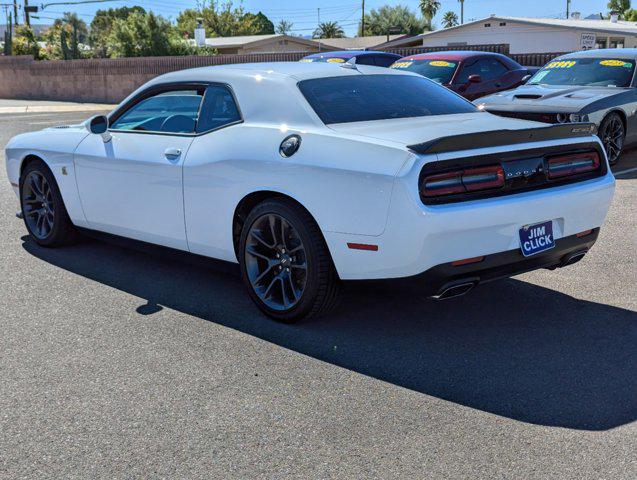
(526, 78)
(475, 79)
(98, 125)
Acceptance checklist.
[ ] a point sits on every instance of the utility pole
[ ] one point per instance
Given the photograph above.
(568, 9)
(27, 20)
(363, 21)
(461, 12)
(15, 12)
(318, 26)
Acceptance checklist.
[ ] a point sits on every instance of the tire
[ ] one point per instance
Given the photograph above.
(43, 209)
(287, 279)
(612, 134)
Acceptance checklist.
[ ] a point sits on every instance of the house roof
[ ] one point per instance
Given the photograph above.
(599, 26)
(250, 40)
(358, 43)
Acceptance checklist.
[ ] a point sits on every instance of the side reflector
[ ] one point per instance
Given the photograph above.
(363, 246)
(467, 261)
(584, 233)
(559, 167)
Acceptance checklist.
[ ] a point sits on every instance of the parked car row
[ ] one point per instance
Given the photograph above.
(596, 86)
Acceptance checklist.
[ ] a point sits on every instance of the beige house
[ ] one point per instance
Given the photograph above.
(264, 44)
(530, 35)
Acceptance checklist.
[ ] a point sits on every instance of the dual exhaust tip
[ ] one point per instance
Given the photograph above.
(462, 287)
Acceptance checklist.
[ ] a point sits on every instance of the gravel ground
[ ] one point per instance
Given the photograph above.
(119, 363)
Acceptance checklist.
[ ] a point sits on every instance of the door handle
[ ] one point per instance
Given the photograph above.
(172, 153)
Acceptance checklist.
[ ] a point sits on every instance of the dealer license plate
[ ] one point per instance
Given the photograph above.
(536, 238)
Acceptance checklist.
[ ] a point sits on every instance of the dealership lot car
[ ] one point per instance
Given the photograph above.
(361, 57)
(307, 174)
(596, 86)
(471, 74)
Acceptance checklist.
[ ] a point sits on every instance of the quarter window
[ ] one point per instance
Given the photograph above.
(174, 111)
(218, 109)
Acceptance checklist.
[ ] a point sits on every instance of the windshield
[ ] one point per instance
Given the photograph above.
(360, 98)
(440, 71)
(604, 72)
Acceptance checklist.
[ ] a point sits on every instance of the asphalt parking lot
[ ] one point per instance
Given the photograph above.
(117, 363)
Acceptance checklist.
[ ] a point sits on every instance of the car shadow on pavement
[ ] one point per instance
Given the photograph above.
(509, 348)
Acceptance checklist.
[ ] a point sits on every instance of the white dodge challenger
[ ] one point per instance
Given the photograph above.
(309, 174)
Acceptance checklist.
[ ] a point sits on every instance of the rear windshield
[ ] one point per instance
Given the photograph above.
(440, 71)
(602, 72)
(362, 98)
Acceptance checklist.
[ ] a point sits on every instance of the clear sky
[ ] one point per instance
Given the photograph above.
(303, 13)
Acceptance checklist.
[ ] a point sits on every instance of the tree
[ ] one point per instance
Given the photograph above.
(619, 6)
(401, 18)
(329, 30)
(25, 42)
(223, 20)
(149, 35)
(429, 8)
(63, 39)
(284, 27)
(630, 15)
(450, 19)
(257, 24)
(103, 23)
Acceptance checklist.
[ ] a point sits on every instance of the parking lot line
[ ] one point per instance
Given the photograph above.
(629, 170)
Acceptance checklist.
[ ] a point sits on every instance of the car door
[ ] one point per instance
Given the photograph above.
(132, 185)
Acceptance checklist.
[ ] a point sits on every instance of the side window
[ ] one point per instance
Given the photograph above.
(385, 60)
(366, 60)
(218, 109)
(487, 68)
(173, 111)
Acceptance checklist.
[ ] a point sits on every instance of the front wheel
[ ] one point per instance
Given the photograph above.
(612, 134)
(285, 262)
(43, 209)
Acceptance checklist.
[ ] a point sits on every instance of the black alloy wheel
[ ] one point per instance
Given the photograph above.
(612, 134)
(43, 209)
(285, 262)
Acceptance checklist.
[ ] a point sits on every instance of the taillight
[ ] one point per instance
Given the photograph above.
(573, 164)
(462, 181)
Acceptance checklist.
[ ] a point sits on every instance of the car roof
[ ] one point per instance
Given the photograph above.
(457, 55)
(273, 71)
(624, 53)
(350, 54)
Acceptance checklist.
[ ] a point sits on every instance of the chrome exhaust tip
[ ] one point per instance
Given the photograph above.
(455, 289)
(573, 258)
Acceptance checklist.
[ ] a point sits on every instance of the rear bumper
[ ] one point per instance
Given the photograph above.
(567, 251)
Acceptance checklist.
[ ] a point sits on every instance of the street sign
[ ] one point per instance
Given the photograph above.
(587, 41)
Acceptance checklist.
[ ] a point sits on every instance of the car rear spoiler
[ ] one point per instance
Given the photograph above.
(497, 138)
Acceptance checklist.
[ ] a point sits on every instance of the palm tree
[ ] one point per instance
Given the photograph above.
(461, 11)
(429, 8)
(329, 30)
(449, 20)
(284, 27)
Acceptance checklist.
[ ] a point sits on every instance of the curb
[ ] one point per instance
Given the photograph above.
(84, 107)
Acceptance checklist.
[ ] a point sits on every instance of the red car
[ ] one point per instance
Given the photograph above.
(471, 74)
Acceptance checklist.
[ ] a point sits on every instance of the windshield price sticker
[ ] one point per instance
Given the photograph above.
(336, 60)
(562, 64)
(615, 63)
(401, 64)
(442, 63)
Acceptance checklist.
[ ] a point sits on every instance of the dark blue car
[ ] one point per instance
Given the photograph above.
(363, 57)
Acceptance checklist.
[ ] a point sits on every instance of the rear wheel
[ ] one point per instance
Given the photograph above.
(43, 209)
(285, 262)
(612, 134)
